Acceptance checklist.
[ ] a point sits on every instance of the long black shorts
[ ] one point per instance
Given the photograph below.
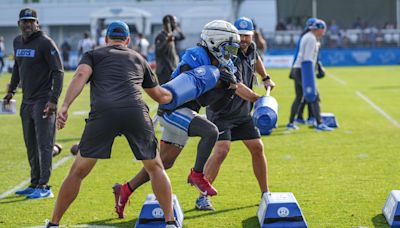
(237, 130)
(102, 128)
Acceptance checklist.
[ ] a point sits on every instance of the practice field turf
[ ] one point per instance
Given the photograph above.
(340, 178)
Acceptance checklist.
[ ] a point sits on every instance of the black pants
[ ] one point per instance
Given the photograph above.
(39, 135)
(298, 87)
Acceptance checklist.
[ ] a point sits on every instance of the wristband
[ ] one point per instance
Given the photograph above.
(266, 78)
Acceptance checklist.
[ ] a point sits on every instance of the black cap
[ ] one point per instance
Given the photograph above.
(28, 14)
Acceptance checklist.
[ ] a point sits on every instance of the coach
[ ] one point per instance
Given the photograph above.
(39, 68)
(116, 75)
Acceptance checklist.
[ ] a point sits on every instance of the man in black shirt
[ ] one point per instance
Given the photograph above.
(166, 57)
(38, 67)
(116, 75)
(234, 121)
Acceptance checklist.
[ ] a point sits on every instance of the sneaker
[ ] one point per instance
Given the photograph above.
(41, 193)
(300, 121)
(121, 194)
(311, 121)
(48, 224)
(201, 183)
(323, 127)
(26, 191)
(292, 126)
(203, 203)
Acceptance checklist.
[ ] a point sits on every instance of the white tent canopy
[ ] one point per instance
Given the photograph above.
(132, 16)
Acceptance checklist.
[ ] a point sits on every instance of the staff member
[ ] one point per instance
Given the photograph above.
(39, 68)
(116, 75)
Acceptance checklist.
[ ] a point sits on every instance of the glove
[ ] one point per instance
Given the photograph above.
(49, 109)
(320, 70)
(227, 78)
(8, 97)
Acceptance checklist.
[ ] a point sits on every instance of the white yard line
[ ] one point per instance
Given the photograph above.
(25, 182)
(337, 79)
(369, 101)
(378, 109)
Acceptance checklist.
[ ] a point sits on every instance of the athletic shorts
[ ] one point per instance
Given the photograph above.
(176, 126)
(102, 128)
(237, 130)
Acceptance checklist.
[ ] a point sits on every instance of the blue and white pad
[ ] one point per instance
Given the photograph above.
(189, 85)
(308, 80)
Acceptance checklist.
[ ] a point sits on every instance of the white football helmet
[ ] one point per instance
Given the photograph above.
(222, 40)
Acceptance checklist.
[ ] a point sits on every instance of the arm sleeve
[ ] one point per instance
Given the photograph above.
(53, 59)
(87, 59)
(14, 78)
(149, 78)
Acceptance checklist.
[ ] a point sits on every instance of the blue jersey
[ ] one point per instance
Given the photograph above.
(193, 57)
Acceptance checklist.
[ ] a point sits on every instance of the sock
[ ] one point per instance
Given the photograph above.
(171, 222)
(129, 186)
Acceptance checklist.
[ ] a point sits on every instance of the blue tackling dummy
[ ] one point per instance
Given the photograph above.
(308, 80)
(189, 85)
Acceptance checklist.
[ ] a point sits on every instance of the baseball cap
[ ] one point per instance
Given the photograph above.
(118, 29)
(318, 24)
(28, 14)
(245, 26)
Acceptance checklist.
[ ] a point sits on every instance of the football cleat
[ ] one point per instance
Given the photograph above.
(323, 127)
(26, 191)
(121, 194)
(41, 193)
(201, 183)
(292, 126)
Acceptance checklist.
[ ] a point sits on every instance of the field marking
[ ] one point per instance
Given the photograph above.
(334, 77)
(25, 182)
(377, 108)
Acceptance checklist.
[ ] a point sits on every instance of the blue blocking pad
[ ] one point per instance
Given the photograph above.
(280, 210)
(391, 210)
(308, 80)
(265, 114)
(152, 215)
(189, 85)
(329, 119)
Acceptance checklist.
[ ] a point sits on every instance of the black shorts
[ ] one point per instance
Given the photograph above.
(237, 130)
(102, 128)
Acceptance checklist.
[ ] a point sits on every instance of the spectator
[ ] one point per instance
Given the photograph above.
(143, 45)
(2, 53)
(86, 44)
(66, 49)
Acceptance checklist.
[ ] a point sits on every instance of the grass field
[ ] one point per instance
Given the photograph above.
(340, 178)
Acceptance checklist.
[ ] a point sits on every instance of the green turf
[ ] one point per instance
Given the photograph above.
(340, 179)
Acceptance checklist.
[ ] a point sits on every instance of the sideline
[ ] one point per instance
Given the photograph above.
(25, 182)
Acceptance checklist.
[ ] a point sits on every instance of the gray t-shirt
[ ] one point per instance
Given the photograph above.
(119, 74)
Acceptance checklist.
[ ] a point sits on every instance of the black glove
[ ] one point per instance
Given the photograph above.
(320, 70)
(8, 97)
(227, 78)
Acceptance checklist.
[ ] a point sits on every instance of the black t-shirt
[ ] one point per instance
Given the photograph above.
(238, 109)
(118, 75)
(35, 60)
(166, 57)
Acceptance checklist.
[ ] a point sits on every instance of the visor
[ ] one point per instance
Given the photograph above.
(230, 49)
